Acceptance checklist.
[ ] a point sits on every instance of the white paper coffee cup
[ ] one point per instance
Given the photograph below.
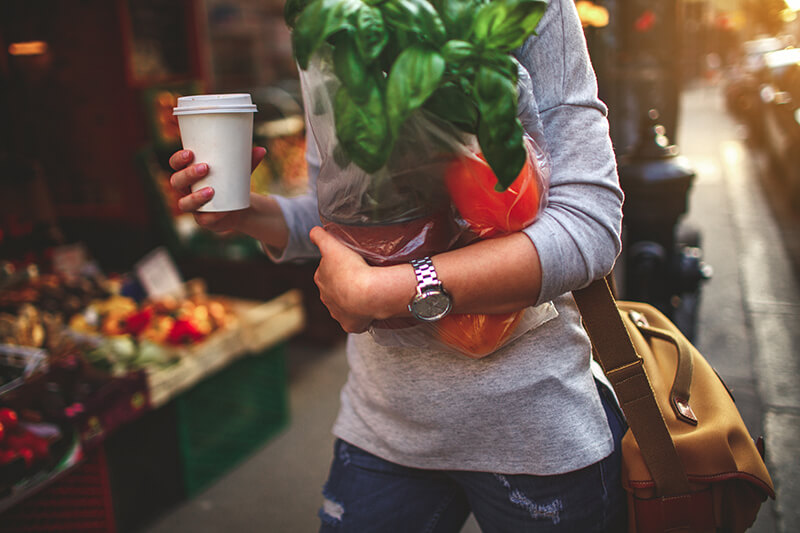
(218, 129)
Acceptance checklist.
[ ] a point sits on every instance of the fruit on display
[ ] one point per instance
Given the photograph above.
(8, 419)
(38, 310)
(115, 332)
(30, 447)
(168, 320)
(121, 354)
(53, 293)
(20, 441)
(34, 307)
(129, 335)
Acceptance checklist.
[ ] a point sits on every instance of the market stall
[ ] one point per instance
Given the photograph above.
(200, 378)
(122, 382)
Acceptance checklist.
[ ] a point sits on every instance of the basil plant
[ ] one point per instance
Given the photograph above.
(394, 57)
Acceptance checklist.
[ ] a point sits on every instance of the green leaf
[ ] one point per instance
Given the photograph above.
(505, 24)
(415, 75)
(501, 62)
(350, 67)
(363, 129)
(499, 129)
(292, 9)
(456, 52)
(415, 16)
(399, 40)
(450, 103)
(318, 21)
(371, 34)
(457, 16)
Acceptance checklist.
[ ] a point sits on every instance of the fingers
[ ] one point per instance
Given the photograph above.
(185, 174)
(184, 177)
(180, 159)
(194, 200)
(183, 180)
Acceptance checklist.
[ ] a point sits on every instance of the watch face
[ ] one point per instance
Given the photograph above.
(431, 305)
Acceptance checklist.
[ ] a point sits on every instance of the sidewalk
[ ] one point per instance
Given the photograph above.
(748, 331)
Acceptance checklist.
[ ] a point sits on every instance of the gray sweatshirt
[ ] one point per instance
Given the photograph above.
(531, 407)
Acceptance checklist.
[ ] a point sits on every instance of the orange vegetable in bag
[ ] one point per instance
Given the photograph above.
(489, 213)
(471, 184)
(477, 335)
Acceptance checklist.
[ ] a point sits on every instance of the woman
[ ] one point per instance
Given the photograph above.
(525, 439)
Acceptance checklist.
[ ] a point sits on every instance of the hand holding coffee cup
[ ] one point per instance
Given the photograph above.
(218, 130)
(189, 171)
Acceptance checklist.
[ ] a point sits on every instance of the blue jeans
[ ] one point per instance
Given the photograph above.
(366, 494)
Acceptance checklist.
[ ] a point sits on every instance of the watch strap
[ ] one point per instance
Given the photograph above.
(426, 274)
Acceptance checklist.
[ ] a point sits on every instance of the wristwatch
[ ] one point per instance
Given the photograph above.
(431, 302)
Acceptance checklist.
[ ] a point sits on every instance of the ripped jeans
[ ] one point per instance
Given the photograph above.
(366, 494)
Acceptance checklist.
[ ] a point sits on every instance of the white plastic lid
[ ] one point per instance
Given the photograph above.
(214, 103)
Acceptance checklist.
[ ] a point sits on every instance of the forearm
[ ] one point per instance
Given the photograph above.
(491, 276)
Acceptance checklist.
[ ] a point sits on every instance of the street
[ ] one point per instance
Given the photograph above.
(749, 309)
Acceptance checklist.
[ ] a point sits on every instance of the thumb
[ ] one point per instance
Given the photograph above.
(328, 244)
(259, 152)
(319, 237)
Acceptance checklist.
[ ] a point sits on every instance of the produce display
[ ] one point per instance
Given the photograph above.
(34, 307)
(76, 356)
(120, 333)
(133, 335)
(44, 378)
(34, 435)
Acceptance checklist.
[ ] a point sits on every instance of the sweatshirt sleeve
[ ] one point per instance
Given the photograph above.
(301, 213)
(577, 235)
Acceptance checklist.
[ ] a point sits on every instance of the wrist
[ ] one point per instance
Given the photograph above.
(391, 288)
(264, 221)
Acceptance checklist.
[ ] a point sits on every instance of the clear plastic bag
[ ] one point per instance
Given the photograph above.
(435, 193)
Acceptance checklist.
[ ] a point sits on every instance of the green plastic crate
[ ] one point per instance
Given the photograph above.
(228, 416)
